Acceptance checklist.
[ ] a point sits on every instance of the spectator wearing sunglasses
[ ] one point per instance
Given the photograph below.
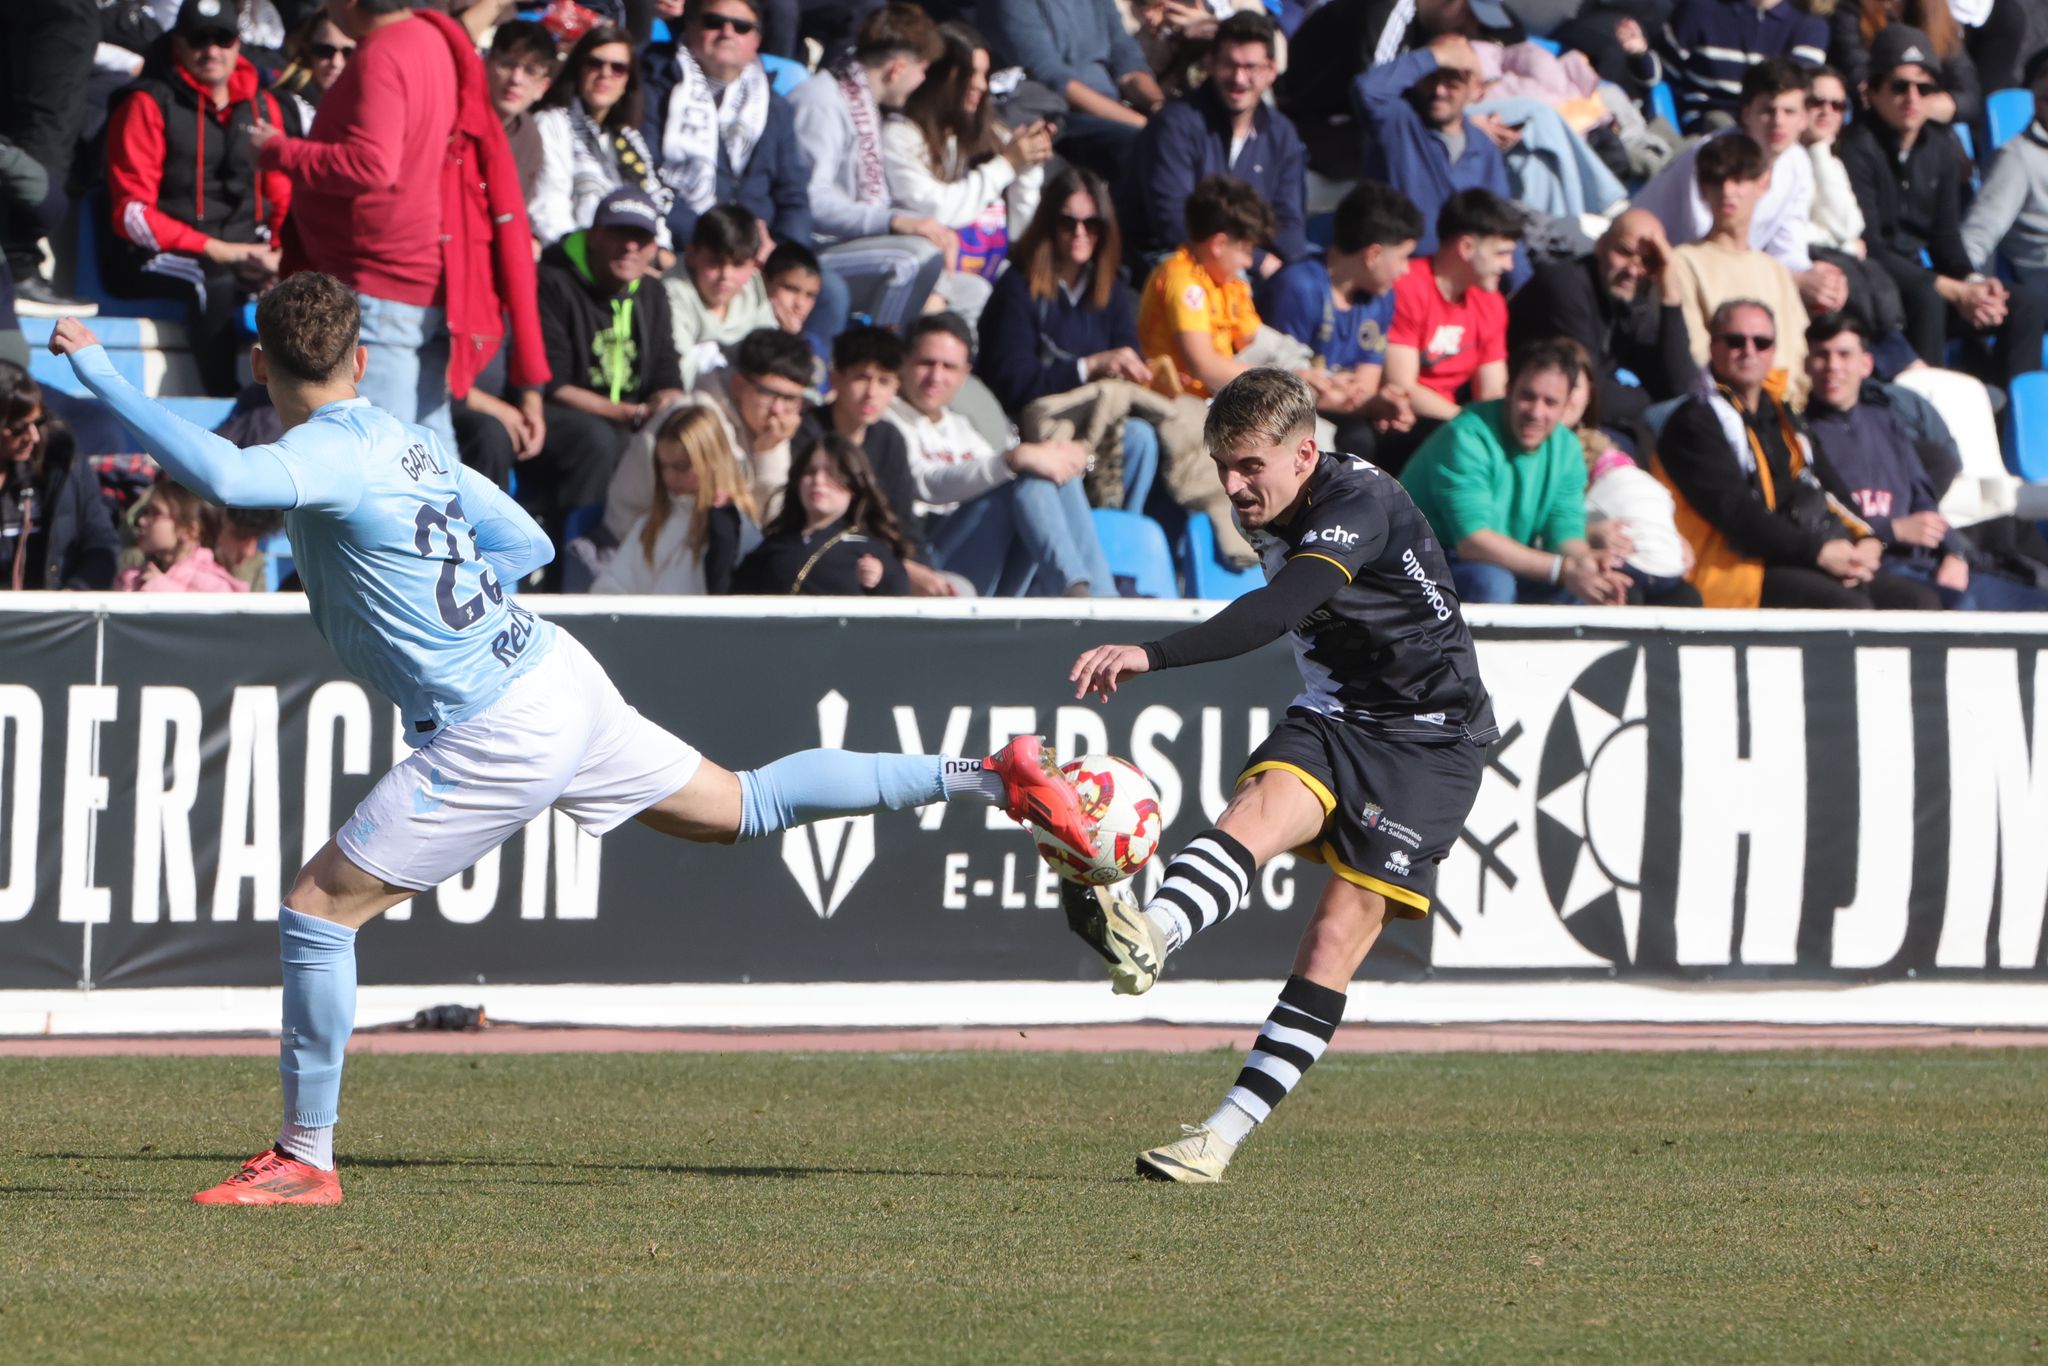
(1733, 174)
(1854, 28)
(315, 56)
(591, 142)
(1762, 531)
(724, 136)
(195, 219)
(55, 529)
(1908, 172)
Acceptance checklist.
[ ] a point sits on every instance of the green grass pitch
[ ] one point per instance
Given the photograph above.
(976, 1207)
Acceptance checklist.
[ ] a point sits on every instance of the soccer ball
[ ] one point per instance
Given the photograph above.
(1125, 809)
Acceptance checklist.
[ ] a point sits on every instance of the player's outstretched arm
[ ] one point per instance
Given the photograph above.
(1258, 618)
(510, 538)
(211, 466)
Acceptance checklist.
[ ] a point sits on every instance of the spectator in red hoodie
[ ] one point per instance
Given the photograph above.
(193, 217)
(405, 190)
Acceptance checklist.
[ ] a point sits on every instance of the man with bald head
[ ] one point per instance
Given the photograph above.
(1622, 305)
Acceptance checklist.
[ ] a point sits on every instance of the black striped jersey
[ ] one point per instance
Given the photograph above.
(1390, 652)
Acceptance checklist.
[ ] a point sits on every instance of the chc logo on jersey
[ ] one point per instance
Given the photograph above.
(1333, 536)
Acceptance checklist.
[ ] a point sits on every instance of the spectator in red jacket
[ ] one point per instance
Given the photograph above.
(193, 217)
(388, 198)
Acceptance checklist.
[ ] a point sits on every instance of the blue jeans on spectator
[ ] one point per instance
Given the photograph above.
(1480, 582)
(1141, 462)
(408, 371)
(1986, 593)
(1005, 539)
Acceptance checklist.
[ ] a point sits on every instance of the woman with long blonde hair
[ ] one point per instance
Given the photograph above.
(704, 517)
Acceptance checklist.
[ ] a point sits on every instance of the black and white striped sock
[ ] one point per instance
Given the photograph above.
(1206, 881)
(1294, 1036)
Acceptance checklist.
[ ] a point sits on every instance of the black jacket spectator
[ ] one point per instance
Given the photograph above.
(1033, 347)
(575, 309)
(1910, 205)
(71, 542)
(1643, 336)
(823, 563)
(1694, 451)
(1849, 53)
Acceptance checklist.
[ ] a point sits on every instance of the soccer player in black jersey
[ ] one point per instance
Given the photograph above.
(1372, 772)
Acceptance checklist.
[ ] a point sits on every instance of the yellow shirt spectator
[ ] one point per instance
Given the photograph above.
(1181, 296)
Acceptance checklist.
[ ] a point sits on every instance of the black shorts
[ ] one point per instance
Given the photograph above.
(1393, 808)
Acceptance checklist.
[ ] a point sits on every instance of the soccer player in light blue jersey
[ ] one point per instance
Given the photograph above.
(405, 556)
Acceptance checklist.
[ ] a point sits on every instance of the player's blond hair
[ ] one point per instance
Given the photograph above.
(701, 436)
(1261, 407)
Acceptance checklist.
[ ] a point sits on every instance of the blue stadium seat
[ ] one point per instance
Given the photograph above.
(1321, 230)
(1550, 45)
(1664, 102)
(581, 521)
(2008, 112)
(1136, 548)
(1206, 575)
(2026, 427)
(784, 75)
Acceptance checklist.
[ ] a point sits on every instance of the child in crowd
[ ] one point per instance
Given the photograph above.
(173, 528)
(835, 534)
(1197, 309)
(716, 295)
(703, 518)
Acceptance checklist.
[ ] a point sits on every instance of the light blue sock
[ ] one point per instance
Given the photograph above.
(815, 784)
(319, 1014)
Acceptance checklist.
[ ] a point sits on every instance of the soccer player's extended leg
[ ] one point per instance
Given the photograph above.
(718, 806)
(316, 933)
(1347, 922)
(1207, 880)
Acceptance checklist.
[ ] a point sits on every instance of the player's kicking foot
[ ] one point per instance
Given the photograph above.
(1035, 790)
(1114, 927)
(274, 1178)
(1197, 1159)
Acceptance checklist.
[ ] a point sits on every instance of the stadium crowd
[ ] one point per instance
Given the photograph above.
(1683, 302)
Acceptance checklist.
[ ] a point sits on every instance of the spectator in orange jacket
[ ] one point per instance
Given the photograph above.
(193, 217)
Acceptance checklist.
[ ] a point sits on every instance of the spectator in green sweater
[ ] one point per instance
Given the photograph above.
(1504, 485)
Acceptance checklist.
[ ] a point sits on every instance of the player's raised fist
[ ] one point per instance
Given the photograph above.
(71, 335)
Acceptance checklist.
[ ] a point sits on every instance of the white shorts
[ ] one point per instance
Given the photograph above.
(560, 737)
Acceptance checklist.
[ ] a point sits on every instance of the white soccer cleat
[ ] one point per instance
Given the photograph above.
(1114, 926)
(1197, 1159)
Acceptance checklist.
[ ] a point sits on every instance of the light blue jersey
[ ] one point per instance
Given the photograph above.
(403, 551)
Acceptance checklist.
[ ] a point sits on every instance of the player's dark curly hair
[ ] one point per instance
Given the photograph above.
(307, 326)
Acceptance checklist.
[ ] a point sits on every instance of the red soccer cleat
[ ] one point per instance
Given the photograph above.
(1035, 790)
(274, 1178)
